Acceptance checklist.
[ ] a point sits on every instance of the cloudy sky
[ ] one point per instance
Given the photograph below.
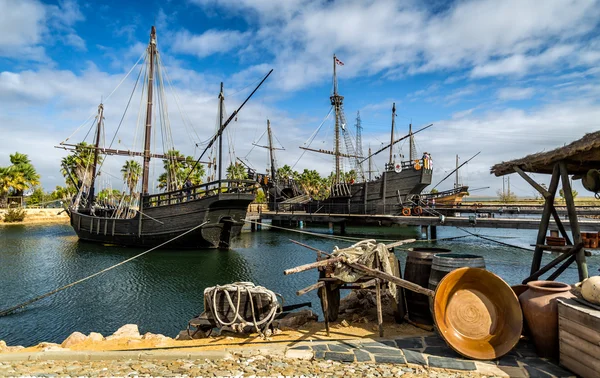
(507, 78)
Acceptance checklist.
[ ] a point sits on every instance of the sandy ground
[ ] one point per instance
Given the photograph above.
(38, 217)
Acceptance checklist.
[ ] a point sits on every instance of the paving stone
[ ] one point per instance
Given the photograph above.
(547, 367)
(451, 363)
(390, 359)
(362, 356)
(413, 357)
(338, 348)
(390, 343)
(320, 354)
(434, 341)
(440, 351)
(386, 351)
(374, 344)
(320, 347)
(301, 347)
(514, 372)
(508, 361)
(341, 357)
(411, 343)
(536, 373)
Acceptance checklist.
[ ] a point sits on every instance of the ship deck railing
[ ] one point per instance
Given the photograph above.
(200, 191)
(318, 207)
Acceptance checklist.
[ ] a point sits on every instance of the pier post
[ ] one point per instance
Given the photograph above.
(259, 225)
(424, 231)
(343, 228)
(252, 227)
(433, 232)
(331, 227)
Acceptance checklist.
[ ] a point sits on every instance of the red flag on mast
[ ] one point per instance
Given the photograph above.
(338, 62)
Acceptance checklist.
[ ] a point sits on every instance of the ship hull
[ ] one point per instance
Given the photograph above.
(385, 195)
(223, 215)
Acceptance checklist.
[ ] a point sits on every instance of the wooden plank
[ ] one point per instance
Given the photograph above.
(310, 288)
(583, 358)
(579, 330)
(571, 363)
(379, 309)
(535, 185)
(398, 281)
(576, 312)
(562, 268)
(314, 265)
(581, 344)
(553, 263)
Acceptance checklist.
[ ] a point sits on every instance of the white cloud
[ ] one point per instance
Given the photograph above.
(208, 43)
(21, 27)
(512, 94)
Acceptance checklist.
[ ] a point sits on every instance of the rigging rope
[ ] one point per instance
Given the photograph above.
(14, 308)
(313, 136)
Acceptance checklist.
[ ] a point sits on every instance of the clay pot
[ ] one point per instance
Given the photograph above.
(541, 314)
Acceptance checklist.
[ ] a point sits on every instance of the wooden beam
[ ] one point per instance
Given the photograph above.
(548, 205)
(560, 226)
(553, 263)
(572, 212)
(310, 288)
(314, 265)
(535, 185)
(398, 281)
(562, 268)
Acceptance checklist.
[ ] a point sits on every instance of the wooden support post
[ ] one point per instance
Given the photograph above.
(343, 228)
(572, 212)
(560, 226)
(536, 186)
(379, 309)
(325, 308)
(424, 231)
(541, 237)
(553, 263)
(259, 225)
(252, 227)
(331, 227)
(562, 268)
(433, 233)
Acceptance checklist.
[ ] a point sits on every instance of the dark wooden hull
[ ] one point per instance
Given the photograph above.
(224, 214)
(385, 195)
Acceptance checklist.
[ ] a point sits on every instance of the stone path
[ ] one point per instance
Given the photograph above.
(431, 351)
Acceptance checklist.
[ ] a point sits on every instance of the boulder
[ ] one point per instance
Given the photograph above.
(155, 337)
(296, 319)
(73, 339)
(2, 345)
(95, 337)
(128, 331)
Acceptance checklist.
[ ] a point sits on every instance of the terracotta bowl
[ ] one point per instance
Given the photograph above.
(477, 313)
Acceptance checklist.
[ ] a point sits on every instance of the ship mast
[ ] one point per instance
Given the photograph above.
(221, 100)
(391, 163)
(336, 102)
(148, 135)
(97, 145)
(271, 154)
(412, 150)
(370, 164)
(456, 183)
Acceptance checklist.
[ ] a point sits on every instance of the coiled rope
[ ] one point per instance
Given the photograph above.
(14, 308)
(239, 322)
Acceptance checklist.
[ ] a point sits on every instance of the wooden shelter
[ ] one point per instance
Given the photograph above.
(579, 159)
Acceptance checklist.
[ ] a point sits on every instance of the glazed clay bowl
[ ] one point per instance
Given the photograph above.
(477, 313)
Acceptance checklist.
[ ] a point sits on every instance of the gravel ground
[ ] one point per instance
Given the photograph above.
(255, 366)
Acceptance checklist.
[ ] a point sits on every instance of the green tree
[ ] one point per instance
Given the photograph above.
(177, 167)
(236, 171)
(561, 193)
(37, 197)
(506, 196)
(434, 191)
(284, 173)
(18, 177)
(131, 171)
(63, 193)
(79, 164)
(260, 197)
(313, 184)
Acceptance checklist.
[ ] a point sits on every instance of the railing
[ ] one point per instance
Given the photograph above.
(200, 191)
(318, 207)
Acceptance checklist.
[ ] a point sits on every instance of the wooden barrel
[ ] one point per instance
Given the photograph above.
(417, 270)
(443, 264)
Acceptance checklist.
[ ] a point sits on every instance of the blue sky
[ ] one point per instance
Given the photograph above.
(506, 78)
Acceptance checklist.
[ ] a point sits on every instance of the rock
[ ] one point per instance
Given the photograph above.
(55, 348)
(15, 348)
(73, 339)
(301, 354)
(128, 331)
(344, 323)
(296, 319)
(2, 345)
(95, 337)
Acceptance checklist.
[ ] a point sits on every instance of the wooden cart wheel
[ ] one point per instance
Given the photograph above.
(333, 298)
(399, 303)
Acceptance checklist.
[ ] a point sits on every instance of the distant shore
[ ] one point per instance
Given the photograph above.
(38, 217)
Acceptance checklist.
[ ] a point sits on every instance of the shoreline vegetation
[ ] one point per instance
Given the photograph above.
(38, 217)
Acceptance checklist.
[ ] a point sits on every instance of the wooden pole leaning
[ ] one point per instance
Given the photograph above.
(572, 212)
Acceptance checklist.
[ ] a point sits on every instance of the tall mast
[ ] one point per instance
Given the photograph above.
(336, 102)
(271, 154)
(359, 149)
(148, 134)
(412, 153)
(221, 100)
(392, 135)
(370, 165)
(97, 145)
(456, 183)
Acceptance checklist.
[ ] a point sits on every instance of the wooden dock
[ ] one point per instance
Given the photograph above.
(291, 218)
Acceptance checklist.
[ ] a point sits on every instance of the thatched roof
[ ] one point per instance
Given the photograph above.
(580, 156)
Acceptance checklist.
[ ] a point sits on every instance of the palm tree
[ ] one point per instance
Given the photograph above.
(313, 184)
(80, 164)
(22, 165)
(177, 170)
(131, 174)
(284, 173)
(236, 171)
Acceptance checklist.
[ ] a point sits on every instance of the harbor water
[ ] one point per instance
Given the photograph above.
(162, 290)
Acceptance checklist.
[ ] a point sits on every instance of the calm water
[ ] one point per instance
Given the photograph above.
(162, 290)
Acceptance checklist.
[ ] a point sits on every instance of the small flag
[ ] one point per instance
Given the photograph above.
(338, 62)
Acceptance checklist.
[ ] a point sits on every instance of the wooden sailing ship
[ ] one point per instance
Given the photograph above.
(194, 216)
(398, 186)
